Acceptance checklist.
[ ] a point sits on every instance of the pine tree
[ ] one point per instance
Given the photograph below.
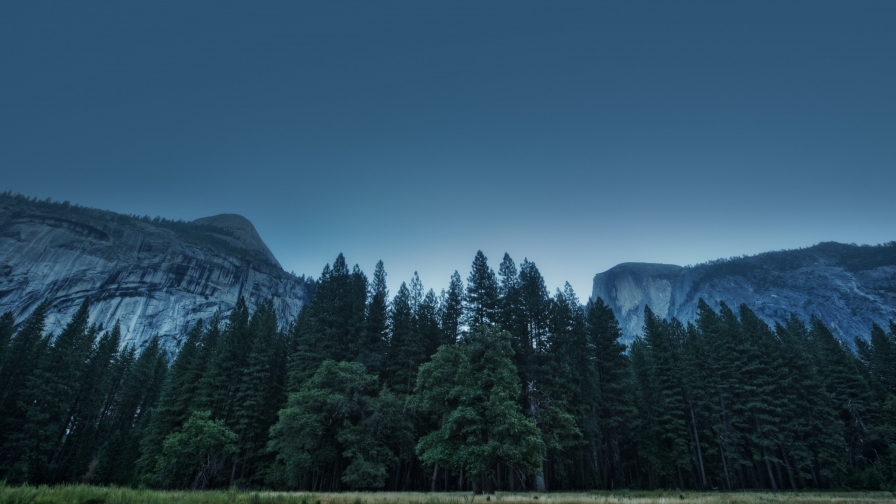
(882, 357)
(305, 438)
(452, 310)
(534, 313)
(333, 325)
(79, 446)
(850, 392)
(48, 398)
(259, 395)
(481, 300)
(403, 344)
(607, 385)
(20, 359)
(7, 328)
(428, 330)
(377, 331)
(509, 299)
(131, 413)
(812, 434)
(217, 389)
(177, 397)
(473, 388)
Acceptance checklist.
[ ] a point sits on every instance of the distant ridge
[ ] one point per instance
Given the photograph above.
(849, 287)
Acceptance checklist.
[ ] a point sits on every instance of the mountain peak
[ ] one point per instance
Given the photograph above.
(241, 233)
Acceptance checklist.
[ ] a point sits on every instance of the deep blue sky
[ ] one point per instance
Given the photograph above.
(579, 135)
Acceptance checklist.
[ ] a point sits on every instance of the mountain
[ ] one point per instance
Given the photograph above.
(848, 287)
(153, 276)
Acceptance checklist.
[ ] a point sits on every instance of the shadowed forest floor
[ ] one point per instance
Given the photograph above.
(84, 494)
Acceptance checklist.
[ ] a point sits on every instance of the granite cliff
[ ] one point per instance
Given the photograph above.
(152, 276)
(848, 287)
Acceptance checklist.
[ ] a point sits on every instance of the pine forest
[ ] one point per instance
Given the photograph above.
(493, 384)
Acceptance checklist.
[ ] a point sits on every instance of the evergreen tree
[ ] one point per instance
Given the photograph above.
(404, 345)
(260, 394)
(217, 389)
(452, 310)
(131, 413)
(306, 435)
(7, 328)
(19, 360)
(472, 387)
(607, 389)
(377, 333)
(534, 316)
(481, 300)
(177, 397)
(333, 325)
(47, 401)
(79, 446)
(509, 299)
(851, 394)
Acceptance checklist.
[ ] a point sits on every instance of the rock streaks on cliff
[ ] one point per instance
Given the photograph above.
(848, 287)
(151, 277)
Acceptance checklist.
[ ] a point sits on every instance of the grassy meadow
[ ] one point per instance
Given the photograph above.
(84, 494)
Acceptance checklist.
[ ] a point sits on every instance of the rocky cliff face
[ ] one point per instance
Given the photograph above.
(847, 286)
(153, 277)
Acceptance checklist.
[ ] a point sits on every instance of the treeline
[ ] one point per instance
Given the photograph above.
(490, 385)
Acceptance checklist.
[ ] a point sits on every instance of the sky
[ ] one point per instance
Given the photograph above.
(578, 135)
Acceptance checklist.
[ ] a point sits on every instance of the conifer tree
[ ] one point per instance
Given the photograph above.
(217, 389)
(481, 300)
(812, 434)
(47, 399)
(851, 394)
(473, 388)
(534, 313)
(131, 414)
(403, 344)
(452, 310)
(19, 360)
(78, 447)
(260, 394)
(608, 386)
(377, 331)
(509, 299)
(7, 328)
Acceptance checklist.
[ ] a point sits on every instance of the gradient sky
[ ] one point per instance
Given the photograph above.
(577, 134)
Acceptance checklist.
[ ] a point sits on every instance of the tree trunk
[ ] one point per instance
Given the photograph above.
(699, 449)
(725, 464)
(435, 475)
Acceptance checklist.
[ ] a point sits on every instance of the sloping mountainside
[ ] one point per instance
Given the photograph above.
(848, 287)
(153, 276)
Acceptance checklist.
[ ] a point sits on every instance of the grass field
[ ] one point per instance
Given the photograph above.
(83, 494)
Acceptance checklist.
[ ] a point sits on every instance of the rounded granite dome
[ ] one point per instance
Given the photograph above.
(242, 231)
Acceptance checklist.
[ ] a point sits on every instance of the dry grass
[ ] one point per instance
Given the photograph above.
(83, 494)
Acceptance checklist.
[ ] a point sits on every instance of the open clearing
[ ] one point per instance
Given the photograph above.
(83, 494)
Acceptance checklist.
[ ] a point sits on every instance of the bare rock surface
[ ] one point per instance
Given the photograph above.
(848, 287)
(153, 277)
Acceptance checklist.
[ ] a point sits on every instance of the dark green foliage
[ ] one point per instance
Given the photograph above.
(333, 325)
(339, 428)
(472, 388)
(452, 309)
(377, 323)
(481, 299)
(496, 386)
(195, 454)
(7, 328)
